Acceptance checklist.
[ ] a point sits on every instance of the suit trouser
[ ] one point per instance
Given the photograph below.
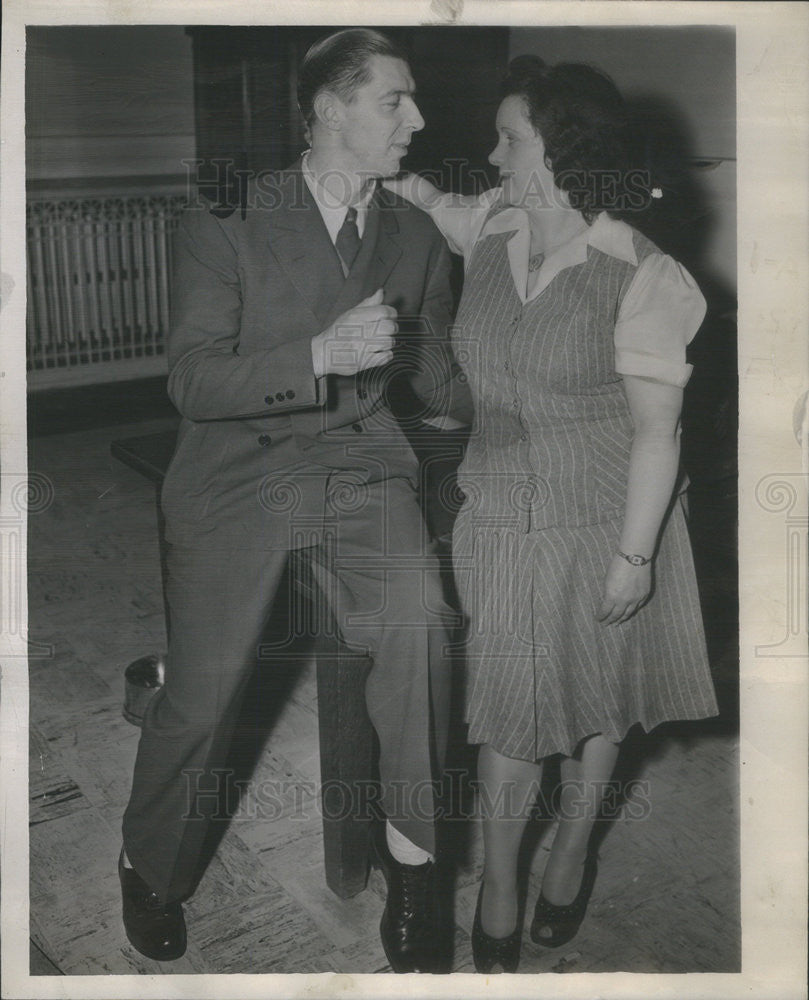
(380, 578)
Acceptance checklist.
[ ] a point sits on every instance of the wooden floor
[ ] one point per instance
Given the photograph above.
(666, 899)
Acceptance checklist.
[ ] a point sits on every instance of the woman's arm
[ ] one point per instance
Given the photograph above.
(416, 189)
(653, 467)
(458, 217)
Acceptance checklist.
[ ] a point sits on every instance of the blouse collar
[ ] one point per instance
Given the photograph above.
(608, 235)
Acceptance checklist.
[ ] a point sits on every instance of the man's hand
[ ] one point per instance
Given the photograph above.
(360, 338)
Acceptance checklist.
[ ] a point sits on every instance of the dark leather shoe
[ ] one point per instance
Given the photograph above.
(155, 929)
(408, 927)
(562, 922)
(488, 951)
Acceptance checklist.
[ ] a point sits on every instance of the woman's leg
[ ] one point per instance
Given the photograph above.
(509, 789)
(584, 782)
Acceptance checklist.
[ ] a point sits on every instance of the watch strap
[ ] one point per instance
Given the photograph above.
(634, 560)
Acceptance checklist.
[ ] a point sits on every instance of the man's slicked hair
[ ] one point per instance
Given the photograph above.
(339, 63)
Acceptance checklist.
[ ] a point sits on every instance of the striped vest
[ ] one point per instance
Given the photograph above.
(553, 431)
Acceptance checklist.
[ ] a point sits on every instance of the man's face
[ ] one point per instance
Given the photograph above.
(379, 120)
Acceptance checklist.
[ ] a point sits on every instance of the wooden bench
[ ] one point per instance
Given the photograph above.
(347, 738)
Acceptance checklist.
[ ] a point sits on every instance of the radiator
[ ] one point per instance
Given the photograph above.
(98, 287)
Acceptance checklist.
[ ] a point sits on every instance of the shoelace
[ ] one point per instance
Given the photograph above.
(415, 889)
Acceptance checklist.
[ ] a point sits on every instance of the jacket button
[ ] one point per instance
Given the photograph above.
(269, 400)
(362, 394)
(290, 393)
(280, 397)
(357, 428)
(264, 440)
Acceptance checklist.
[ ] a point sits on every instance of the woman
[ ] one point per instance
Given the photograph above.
(571, 550)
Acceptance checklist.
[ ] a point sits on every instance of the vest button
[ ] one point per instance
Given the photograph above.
(290, 393)
(280, 397)
(269, 400)
(362, 394)
(357, 428)
(264, 440)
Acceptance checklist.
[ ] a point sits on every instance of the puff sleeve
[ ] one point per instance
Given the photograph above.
(661, 312)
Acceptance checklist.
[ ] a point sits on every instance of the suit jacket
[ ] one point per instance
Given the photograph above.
(260, 435)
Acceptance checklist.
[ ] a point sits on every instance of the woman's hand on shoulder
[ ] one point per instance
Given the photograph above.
(626, 589)
(414, 188)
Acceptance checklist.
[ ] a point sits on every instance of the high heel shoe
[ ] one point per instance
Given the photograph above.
(563, 921)
(489, 951)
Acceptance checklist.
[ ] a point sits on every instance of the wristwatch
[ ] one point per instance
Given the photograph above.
(634, 560)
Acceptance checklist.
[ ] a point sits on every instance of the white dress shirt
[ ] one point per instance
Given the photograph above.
(331, 210)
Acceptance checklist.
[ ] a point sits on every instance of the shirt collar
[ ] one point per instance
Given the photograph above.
(334, 215)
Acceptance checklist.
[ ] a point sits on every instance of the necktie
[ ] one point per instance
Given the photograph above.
(348, 239)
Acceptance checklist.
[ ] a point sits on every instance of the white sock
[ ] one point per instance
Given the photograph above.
(403, 850)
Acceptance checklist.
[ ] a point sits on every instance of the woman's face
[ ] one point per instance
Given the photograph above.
(520, 157)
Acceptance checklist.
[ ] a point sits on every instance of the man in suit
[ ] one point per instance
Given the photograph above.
(297, 319)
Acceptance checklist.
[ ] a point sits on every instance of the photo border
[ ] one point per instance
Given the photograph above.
(772, 52)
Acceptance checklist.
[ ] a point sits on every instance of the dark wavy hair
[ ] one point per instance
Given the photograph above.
(591, 145)
(339, 62)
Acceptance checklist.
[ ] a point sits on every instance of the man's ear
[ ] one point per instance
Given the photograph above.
(329, 110)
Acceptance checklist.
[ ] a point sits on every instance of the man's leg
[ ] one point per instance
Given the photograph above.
(381, 579)
(219, 601)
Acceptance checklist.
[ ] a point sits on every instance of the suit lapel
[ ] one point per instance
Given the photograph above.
(302, 246)
(387, 248)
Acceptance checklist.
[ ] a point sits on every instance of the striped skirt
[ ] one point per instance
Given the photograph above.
(542, 672)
